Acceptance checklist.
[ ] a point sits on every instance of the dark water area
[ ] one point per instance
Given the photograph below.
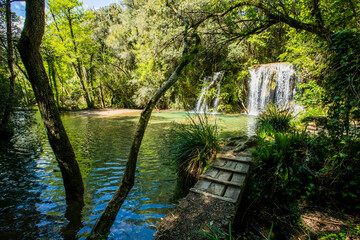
(32, 198)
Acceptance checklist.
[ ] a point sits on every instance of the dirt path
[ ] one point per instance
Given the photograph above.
(108, 112)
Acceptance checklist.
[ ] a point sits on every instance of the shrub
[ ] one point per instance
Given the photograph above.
(311, 96)
(293, 167)
(279, 165)
(274, 118)
(342, 83)
(195, 144)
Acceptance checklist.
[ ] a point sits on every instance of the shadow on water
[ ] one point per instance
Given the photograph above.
(21, 188)
(32, 197)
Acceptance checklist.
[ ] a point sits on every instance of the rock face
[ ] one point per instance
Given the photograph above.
(274, 82)
(243, 142)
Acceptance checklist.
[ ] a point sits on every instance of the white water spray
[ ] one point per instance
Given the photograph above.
(274, 82)
(202, 105)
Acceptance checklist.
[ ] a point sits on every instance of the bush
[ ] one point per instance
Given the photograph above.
(274, 118)
(195, 144)
(293, 167)
(280, 162)
(338, 173)
(342, 84)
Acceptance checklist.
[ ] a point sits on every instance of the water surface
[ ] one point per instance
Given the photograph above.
(32, 202)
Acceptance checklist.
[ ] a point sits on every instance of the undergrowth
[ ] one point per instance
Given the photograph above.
(194, 145)
(295, 171)
(274, 118)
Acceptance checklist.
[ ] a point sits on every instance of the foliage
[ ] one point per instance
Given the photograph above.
(194, 146)
(311, 96)
(274, 118)
(342, 85)
(280, 163)
(217, 234)
(348, 232)
(307, 52)
(296, 170)
(20, 96)
(69, 53)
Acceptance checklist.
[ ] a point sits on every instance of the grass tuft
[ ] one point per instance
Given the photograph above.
(194, 146)
(274, 119)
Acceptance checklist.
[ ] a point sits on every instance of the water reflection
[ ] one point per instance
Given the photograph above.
(32, 198)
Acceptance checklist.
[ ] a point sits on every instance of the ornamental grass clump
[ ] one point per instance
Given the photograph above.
(194, 146)
(274, 118)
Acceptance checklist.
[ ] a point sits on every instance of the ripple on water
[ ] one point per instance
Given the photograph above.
(32, 202)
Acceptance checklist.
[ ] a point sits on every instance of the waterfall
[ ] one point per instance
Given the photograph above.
(274, 82)
(202, 105)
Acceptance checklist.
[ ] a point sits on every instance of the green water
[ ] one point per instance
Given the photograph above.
(32, 202)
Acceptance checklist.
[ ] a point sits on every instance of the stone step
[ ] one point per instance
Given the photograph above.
(212, 195)
(237, 159)
(231, 154)
(226, 183)
(229, 169)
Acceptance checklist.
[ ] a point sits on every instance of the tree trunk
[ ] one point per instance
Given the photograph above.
(53, 72)
(10, 60)
(79, 67)
(81, 75)
(107, 218)
(52, 78)
(92, 76)
(29, 48)
(101, 94)
(105, 221)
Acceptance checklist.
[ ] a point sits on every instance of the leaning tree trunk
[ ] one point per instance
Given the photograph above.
(107, 218)
(105, 221)
(29, 48)
(10, 60)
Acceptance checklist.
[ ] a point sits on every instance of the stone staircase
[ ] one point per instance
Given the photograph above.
(214, 198)
(225, 177)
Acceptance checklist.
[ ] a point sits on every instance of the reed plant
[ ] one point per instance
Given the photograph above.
(194, 145)
(274, 118)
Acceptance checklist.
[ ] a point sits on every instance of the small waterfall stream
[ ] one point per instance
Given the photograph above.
(202, 105)
(274, 82)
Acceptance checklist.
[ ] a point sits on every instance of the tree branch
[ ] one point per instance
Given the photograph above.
(107, 218)
(319, 29)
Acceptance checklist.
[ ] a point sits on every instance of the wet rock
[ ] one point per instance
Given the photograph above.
(243, 144)
(235, 140)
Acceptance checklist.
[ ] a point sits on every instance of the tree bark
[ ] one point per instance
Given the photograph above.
(101, 94)
(10, 61)
(29, 48)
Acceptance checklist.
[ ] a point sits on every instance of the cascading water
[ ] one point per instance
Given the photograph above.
(202, 105)
(274, 82)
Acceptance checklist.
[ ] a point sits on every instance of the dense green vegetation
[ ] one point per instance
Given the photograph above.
(120, 55)
(295, 171)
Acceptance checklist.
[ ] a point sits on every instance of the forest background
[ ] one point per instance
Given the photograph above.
(119, 55)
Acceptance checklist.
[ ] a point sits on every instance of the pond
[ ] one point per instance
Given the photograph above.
(32, 202)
